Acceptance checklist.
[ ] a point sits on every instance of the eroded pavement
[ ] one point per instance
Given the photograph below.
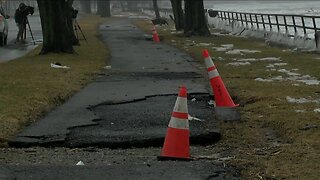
(128, 106)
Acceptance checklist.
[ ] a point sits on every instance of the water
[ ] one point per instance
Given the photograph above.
(310, 8)
(274, 7)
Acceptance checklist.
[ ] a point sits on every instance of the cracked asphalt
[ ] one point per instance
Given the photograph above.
(117, 124)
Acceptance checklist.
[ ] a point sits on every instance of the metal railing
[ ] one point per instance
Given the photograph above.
(286, 23)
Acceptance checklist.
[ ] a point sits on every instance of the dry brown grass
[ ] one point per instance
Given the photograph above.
(29, 87)
(268, 142)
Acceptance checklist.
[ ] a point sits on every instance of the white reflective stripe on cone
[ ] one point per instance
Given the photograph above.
(178, 123)
(181, 105)
(209, 62)
(213, 74)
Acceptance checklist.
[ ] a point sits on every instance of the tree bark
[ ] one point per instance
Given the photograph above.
(156, 9)
(70, 25)
(195, 18)
(178, 14)
(56, 31)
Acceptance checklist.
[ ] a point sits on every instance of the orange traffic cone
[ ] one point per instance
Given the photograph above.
(176, 143)
(155, 34)
(221, 94)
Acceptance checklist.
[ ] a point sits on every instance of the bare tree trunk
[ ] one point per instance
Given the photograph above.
(156, 8)
(56, 32)
(178, 14)
(195, 18)
(69, 17)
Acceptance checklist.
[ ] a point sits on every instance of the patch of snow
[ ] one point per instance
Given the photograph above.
(247, 59)
(310, 82)
(248, 51)
(300, 111)
(204, 44)
(289, 72)
(317, 110)
(280, 64)
(263, 80)
(270, 59)
(278, 78)
(302, 100)
(239, 64)
(298, 101)
(234, 52)
(220, 49)
(287, 50)
(228, 46)
(270, 66)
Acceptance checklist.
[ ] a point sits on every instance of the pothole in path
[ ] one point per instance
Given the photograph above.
(143, 123)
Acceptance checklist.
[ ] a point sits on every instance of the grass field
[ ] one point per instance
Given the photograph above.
(29, 87)
(273, 140)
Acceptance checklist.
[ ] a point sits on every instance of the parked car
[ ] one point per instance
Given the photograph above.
(3, 28)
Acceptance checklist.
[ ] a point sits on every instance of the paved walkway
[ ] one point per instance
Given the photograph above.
(130, 106)
(137, 95)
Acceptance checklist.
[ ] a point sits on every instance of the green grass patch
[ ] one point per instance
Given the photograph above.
(29, 87)
(268, 142)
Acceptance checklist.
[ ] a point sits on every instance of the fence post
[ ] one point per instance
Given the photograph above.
(263, 24)
(251, 20)
(294, 25)
(269, 19)
(241, 19)
(245, 17)
(277, 20)
(257, 21)
(314, 24)
(285, 23)
(229, 17)
(303, 25)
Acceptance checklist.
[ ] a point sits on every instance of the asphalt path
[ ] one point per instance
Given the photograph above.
(139, 69)
(129, 107)
(149, 171)
(15, 50)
